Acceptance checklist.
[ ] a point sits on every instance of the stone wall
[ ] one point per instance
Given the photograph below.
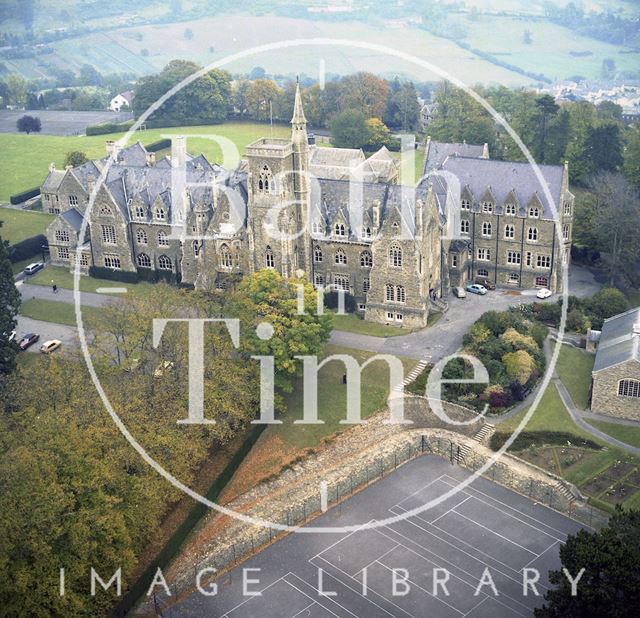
(605, 398)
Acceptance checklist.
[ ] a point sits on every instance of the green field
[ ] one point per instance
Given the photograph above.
(353, 323)
(25, 158)
(54, 311)
(624, 433)
(574, 368)
(20, 224)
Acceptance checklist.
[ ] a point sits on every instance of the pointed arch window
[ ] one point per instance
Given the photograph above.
(510, 209)
(534, 212)
(265, 180)
(465, 205)
(269, 261)
(163, 241)
(226, 260)
(317, 254)
(400, 294)
(532, 234)
(105, 210)
(141, 236)
(366, 232)
(160, 214)
(143, 260)
(316, 228)
(487, 207)
(389, 292)
(395, 256)
(509, 231)
(464, 226)
(340, 229)
(197, 246)
(366, 259)
(486, 229)
(140, 212)
(341, 257)
(164, 263)
(629, 388)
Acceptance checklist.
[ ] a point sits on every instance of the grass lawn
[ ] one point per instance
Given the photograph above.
(574, 368)
(332, 399)
(54, 311)
(18, 267)
(20, 224)
(64, 279)
(25, 158)
(353, 323)
(634, 297)
(624, 433)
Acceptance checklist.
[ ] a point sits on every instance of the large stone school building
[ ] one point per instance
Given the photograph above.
(351, 223)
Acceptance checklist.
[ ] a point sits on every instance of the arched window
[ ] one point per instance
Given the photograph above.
(197, 245)
(269, 262)
(366, 259)
(389, 292)
(532, 234)
(464, 226)
(140, 212)
(160, 214)
(466, 205)
(629, 388)
(340, 229)
(509, 231)
(366, 232)
(341, 257)
(265, 182)
(486, 229)
(487, 207)
(510, 209)
(317, 254)
(141, 236)
(341, 282)
(163, 241)
(143, 260)
(534, 212)
(400, 295)
(226, 260)
(315, 228)
(105, 210)
(395, 256)
(164, 263)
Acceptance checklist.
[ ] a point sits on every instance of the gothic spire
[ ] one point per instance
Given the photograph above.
(298, 112)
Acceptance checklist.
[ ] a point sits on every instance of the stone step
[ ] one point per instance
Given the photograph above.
(485, 432)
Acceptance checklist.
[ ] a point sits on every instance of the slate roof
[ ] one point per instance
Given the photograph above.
(73, 218)
(53, 180)
(503, 177)
(437, 152)
(341, 157)
(619, 341)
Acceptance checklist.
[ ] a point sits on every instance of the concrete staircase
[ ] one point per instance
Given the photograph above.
(411, 376)
(483, 435)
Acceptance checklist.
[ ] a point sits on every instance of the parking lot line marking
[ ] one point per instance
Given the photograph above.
(415, 492)
(360, 594)
(304, 609)
(540, 554)
(233, 609)
(449, 511)
(478, 605)
(366, 566)
(511, 508)
(111, 290)
(363, 527)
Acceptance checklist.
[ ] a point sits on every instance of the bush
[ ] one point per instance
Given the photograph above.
(18, 198)
(577, 321)
(539, 333)
(113, 275)
(29, 124)
(526, 439)
(109, 127)
(331, 301)
(161, 144)
(549, 313)
(27, 248)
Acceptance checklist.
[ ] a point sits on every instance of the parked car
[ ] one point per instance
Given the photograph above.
(459, 292)
(50, 346)
(32, 269)
(476, 288)
(163, 367)
(28, 340)
(490, 285)
(544, 293)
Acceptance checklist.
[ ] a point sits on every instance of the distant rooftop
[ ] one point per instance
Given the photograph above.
(619, 341)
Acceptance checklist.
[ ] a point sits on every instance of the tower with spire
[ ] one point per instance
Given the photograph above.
(278, 199)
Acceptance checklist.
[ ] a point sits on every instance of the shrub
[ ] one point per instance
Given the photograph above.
(539, 333)
(18, 198)
(161, 144)
(113, 275)
(549, 313)
(109, 127)
(525, 439)
(606, 303)
(577, 321)
(27, 248)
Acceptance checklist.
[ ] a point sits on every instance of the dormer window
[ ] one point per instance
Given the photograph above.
(340, 230)
(510, 209)
(534, 212)
(487, 207)
(160, 214)
(465, 205)
(567, 209)
(140, 212)
(366, 232)
(316, 228)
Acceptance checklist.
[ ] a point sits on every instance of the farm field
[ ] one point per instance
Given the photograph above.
(20, 224)
(25, 158)
(551, 51)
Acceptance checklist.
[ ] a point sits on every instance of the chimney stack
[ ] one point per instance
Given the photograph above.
(91, 183)
(178, 151)
(151, 159)
(110, 145)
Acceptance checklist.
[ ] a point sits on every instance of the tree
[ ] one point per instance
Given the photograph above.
(262, 99)
(604, 146)
(29, 124)
(89, 76)
(349, 129)
(616, 219)
(610, 583)
(9, 305)
(608, 110)
(632, 156)
(547, 108)
(16, 90)
(365, 92)
(403, 109)
(75, 158)
(265, 297)
(605, 304)
(379, 134)
(519, 365)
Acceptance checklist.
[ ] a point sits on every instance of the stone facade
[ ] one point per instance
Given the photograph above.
(606, 385)
(331, 215)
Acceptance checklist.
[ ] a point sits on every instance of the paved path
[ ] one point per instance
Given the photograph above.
(48, 330)
(45, 292)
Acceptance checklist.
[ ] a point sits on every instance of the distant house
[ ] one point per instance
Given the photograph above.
(124, 99)
(616, 371)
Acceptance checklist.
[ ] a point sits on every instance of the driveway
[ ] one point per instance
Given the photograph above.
(47, 330)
